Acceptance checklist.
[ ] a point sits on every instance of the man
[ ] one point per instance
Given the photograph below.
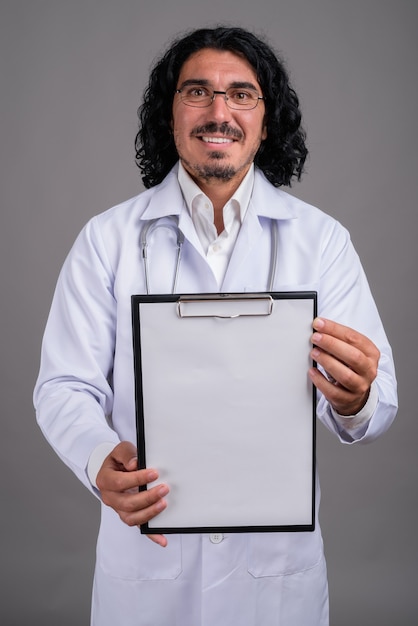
(220, 132)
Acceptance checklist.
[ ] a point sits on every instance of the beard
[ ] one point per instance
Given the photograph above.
(216, 170)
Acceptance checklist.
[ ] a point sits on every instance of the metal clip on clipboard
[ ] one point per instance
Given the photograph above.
(225, 306)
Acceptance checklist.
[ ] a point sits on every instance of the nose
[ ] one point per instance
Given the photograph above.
(219, 106)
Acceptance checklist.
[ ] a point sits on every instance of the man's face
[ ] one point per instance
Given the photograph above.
(217, 143)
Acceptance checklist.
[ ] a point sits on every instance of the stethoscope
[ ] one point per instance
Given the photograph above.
(171, 222)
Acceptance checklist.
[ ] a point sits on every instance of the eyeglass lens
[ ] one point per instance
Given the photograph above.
(235, 97)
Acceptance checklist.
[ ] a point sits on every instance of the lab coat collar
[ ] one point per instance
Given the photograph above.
(271, 202)
(166, 198)
(266, 200)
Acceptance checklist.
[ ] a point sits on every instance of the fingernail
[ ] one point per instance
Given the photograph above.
(317, 337)
(163, 491)
(152, 475)
(319, 323)
(161, 504)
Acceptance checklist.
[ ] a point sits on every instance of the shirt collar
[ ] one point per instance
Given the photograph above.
(191, 190)
(268, 201)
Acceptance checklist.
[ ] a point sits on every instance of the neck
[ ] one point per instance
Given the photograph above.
(219, 192)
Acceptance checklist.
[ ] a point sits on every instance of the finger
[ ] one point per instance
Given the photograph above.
(109, 479)
(344, 401)
(338, 374)
(328, 348)
(135, 509)
(136, 518)
(125, 455)
(146, 508)
(347, 335)
(350, 356)
(342, 373)
(329, 386)
(160, 539)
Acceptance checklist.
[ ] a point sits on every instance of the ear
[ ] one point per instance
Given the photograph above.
(264, 129)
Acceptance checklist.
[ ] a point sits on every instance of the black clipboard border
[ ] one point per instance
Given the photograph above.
(139, 409)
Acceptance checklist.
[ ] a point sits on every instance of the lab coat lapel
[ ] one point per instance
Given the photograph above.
(167, 199)
(266, 202)
(249, 234)
(205, 280)
(270, 201)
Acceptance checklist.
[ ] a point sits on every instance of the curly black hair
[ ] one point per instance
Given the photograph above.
(281, 155)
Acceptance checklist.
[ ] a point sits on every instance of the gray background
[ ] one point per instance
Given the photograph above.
(72, 76)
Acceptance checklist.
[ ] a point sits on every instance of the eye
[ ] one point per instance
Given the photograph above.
(241, 95)
(196, 91)
(246, 98)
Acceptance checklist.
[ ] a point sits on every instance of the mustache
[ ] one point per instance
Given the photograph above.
(213, 127)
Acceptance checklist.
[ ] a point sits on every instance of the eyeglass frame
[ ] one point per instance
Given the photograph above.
(215, 93)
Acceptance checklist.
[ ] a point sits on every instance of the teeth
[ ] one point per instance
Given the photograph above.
(216, 140)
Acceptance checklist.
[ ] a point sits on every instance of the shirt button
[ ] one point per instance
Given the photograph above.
(216, 537)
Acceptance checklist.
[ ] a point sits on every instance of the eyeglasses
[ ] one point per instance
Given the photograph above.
(238, 98)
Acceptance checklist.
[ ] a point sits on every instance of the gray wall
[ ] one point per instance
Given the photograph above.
(72, 76)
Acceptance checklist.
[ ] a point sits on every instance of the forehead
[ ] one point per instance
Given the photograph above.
(218, 66)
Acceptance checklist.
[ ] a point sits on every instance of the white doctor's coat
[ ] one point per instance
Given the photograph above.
(85, 396)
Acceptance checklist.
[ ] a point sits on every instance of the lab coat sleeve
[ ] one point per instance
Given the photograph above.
(345, 297)
(73, 395)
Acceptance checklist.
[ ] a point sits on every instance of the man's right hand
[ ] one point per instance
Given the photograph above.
(118, 481)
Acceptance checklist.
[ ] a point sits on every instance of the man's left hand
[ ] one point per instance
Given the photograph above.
(350, 361)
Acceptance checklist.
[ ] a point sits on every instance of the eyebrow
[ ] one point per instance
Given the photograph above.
(237, 84)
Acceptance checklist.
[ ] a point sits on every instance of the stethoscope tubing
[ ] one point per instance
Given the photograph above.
(171, 222)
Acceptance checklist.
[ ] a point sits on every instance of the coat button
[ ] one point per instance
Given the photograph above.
(216, 537)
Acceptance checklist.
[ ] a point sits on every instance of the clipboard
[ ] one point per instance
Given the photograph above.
(225, 409)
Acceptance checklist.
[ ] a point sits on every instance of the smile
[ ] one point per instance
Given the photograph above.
(217, 139)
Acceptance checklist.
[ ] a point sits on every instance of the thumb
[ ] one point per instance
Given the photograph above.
(125, 454)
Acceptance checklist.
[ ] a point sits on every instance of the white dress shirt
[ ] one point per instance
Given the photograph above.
(216, 247)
